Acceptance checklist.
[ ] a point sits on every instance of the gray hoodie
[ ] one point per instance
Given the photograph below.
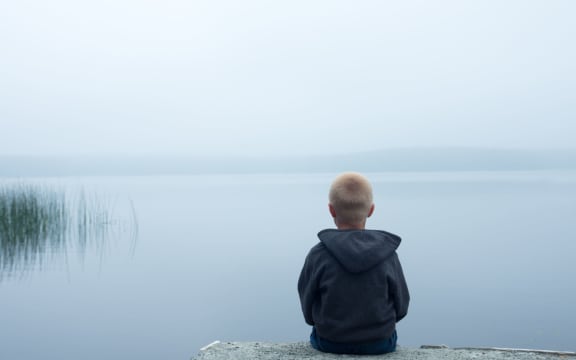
(352, 288)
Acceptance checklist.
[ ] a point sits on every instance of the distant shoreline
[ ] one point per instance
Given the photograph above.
(392, 160)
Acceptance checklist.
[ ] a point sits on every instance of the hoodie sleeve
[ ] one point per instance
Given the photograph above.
(307, 289)
(399, 289)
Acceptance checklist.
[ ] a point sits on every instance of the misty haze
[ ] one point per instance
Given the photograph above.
(164, 168)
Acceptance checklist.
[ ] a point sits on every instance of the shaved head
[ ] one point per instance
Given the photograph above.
(351, 198)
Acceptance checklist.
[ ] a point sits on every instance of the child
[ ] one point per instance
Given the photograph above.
(352, 288)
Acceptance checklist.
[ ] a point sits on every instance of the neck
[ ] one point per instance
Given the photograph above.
(344, 226)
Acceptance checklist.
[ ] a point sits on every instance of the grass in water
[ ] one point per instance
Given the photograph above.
(38, 222)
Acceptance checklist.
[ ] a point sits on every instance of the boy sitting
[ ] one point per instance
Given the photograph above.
(352, 288)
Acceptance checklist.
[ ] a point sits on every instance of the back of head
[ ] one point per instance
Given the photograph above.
(351, 197)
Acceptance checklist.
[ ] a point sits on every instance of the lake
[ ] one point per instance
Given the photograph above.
(488, 256)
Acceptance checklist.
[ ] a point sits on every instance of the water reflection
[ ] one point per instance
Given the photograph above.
(41, 222)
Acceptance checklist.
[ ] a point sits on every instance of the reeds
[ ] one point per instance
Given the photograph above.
(39, 222)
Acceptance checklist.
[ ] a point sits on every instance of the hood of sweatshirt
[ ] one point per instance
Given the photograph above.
(359, 250)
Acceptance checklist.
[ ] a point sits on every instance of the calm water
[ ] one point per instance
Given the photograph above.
(489, 258)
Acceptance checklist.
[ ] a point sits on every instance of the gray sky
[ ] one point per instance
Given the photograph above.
(284, 77)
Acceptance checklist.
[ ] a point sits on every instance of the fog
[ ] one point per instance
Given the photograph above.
(293, 78)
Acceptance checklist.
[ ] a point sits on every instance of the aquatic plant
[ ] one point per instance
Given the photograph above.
(38, 222)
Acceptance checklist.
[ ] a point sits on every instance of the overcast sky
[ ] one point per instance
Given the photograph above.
(284, 77)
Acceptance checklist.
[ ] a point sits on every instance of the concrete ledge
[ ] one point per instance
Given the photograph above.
(303, 351)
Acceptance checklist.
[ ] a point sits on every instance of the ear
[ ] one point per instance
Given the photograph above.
(371, 211)
(332, 211)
